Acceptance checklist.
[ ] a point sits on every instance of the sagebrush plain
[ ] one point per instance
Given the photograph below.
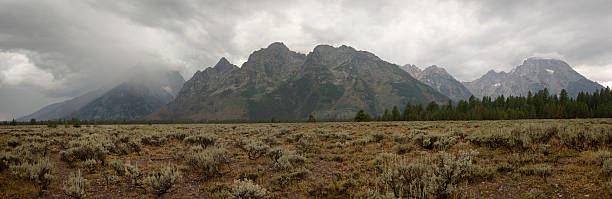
(440, 159)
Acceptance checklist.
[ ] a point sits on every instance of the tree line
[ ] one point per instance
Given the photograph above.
(541, 105)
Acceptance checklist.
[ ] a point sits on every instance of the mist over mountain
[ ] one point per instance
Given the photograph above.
(63, 109)
(439, 79)
(143, 93)
(275, 82)
(533, 75)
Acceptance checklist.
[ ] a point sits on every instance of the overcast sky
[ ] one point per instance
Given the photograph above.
(55, 50)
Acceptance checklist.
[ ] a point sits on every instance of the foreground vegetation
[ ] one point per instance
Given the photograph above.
(445, 159)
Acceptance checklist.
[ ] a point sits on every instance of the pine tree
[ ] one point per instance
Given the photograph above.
(311, 118)
(361, 116)
(406, 113)
(395, 114)
(76, 123)
(386, 116)
(563, 98)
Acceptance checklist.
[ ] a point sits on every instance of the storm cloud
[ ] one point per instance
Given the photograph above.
(54, 50)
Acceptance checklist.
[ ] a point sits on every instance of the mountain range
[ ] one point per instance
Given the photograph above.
(328, 83)
(275, 82)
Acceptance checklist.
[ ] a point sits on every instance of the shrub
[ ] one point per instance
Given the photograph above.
(609, 186)
(176, 136)
(431, 178)
(438, 141)
(13, 142)
(281, 132)
(270, 140)
(131, 172)
(382, 160)
(90, 165)
(377, 136)
(33, 147)
(534, 194)
(38, 171)
(286, 159)
(6, 159)
(129, 146)
(286, 178)
(449, 170)
(255, 149)
(539, 170)
(243, 189)
(155, 139)
(607, 166)
(208, 161)
(88, 148)
(337, 188)
(371, 194)
(504, 167)
(160, 182)
(75, 186)
(484, 173)
(584, 138)
(401, 138)
(598, 157)
(206, 139)
(117, 166)
(276, 152)
(509, 139)
(305, 141)
(291, 161)
(342, 135)
(403, 148)
(404, 179)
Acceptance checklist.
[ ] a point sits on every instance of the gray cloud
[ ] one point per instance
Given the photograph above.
(60, 49)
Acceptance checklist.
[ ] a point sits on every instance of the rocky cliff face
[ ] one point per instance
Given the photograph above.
(533, 75)
(439, 79)
(329, 82)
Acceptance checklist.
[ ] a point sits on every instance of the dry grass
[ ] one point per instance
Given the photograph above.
(452, 159)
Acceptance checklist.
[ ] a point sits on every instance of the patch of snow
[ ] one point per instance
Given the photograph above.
(167, 89)
(497, 84)
(550, 71)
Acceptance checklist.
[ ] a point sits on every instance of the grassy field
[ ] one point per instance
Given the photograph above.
(443, 159)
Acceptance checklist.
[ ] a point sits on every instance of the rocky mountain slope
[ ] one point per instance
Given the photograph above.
(144, 93)
(439, 79)
(533, 75)
(275, 82)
